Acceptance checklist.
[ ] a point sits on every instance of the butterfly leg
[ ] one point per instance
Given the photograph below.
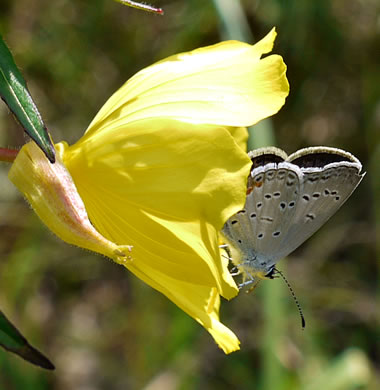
(256, 283)
(228, 253)
(247, 282)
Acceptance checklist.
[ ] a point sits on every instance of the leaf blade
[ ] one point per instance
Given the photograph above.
(13, 341)
(14, 92)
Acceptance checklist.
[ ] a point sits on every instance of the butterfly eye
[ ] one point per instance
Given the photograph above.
(270, 274)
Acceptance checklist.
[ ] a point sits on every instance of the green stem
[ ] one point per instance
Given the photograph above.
(8, 155)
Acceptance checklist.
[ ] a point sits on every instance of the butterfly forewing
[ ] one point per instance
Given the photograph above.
(324, 189)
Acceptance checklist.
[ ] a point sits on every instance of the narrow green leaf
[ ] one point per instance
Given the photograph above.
(13, 341)
(14, 92)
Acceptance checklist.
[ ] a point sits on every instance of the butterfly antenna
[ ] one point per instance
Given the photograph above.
(294, 297)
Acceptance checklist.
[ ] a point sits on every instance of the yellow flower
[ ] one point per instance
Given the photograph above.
(160, 169)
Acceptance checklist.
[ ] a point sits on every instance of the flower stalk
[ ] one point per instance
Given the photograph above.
(8, 155)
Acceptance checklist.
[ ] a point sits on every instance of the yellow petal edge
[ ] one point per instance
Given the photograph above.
(223, 84)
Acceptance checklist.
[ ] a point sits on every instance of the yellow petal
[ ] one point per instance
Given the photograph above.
(240, 135)
(53, 195)
(201, 303)
(163, 166)
(166, 188)
(224, 84)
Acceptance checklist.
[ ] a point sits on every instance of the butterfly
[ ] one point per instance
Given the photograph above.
(288, 199)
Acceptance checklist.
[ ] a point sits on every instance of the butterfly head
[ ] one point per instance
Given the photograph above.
(257, 271)
(253, 269)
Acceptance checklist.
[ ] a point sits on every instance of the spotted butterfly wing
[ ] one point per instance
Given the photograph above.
(288, 199)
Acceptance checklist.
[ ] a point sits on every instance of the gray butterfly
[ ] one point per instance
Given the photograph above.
(288, 199)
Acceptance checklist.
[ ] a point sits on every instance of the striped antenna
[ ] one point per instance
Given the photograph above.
(294, 297)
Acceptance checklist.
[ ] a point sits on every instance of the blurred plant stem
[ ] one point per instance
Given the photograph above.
(273, 373)
(234, 25)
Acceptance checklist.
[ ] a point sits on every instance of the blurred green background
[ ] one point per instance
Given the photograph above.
(102, 327)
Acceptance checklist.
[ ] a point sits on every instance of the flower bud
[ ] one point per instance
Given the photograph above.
(50, 190)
